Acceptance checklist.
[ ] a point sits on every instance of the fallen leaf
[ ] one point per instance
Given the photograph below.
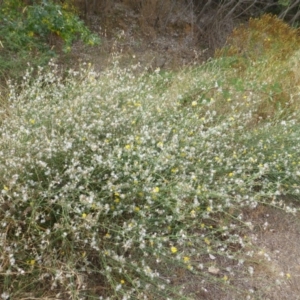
(213, 270)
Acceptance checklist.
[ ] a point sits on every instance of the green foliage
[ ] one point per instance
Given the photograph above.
(284, 2)
(34, 29)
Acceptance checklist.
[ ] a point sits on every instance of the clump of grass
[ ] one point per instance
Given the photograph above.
(110, 180)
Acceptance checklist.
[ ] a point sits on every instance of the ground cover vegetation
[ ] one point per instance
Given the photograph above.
(115, 183)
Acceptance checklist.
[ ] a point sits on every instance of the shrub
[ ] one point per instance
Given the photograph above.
(263, 52)
(111, 186)
(263, 37)
(28, 33)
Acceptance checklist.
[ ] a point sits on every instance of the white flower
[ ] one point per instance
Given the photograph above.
(5, 296)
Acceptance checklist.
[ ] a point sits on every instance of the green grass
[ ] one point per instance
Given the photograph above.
(114, 182)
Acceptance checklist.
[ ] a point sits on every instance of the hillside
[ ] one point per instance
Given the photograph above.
(147, 172)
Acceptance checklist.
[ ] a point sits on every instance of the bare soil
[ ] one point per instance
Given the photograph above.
(129, 39)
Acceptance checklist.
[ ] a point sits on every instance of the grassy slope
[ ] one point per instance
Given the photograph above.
(115, 183)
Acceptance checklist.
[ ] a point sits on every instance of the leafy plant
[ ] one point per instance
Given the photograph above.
(33, 30)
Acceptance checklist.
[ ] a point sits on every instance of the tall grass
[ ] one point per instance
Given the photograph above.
(113, 183)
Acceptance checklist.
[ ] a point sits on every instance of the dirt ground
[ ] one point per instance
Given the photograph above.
(275, 261)
(277, 234)
(125, 36)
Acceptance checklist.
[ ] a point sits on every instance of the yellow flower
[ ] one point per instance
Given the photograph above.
(207, 241)
(186, 259)
(31, 121)
(31, 262)
(127, 147)
(136, 209)
(173, 249)
(194, 103)
(288, 275)
(122, 281)
(156, 190)
(208, 208)
(5, 188)
(84, 215)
